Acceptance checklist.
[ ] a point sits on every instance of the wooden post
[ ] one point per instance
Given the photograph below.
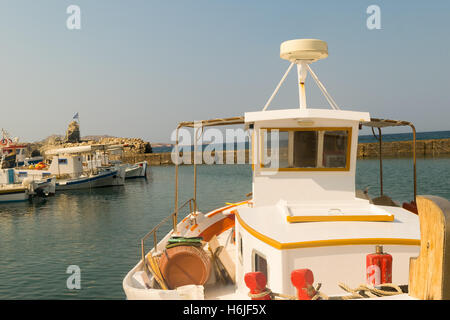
(429, 274)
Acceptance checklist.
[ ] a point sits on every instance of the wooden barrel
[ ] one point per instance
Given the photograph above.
(183, 265)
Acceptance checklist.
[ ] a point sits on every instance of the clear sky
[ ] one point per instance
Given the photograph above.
(138, 67)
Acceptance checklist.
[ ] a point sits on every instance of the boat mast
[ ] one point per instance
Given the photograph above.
(302, 72)
(303, 52)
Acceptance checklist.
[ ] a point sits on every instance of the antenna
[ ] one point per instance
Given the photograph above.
(303, 52)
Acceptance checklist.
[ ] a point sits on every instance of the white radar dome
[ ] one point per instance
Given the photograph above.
(303, 49)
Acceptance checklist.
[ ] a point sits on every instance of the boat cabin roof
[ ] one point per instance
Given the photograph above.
(84, 149)
(289, 114)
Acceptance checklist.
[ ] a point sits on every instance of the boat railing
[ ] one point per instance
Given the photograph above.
(172, 216)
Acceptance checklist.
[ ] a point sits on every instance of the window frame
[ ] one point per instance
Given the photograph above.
(347, 160)
(240, 249)
(263, 256)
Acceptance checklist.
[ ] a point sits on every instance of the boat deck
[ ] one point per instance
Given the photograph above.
(402, 229)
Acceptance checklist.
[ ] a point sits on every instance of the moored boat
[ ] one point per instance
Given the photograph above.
(14, 193)
(104, 178)
(305, 212)
(73, 169)
(14, 188)
(13, 153)
(137, 170)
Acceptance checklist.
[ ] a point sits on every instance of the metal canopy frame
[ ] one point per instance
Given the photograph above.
(212, 122)
(383, 123)
(197, 125)
(373, 123)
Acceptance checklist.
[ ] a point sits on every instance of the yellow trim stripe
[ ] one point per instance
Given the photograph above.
(325, 243)
(12, 191)
(372, 217)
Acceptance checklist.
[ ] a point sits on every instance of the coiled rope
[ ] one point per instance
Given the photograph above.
(360, 292)
(367, 291)
(279, 296)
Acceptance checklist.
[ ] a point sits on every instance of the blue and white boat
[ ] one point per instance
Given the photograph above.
(102, 158)
(72, 171)
(104, 178)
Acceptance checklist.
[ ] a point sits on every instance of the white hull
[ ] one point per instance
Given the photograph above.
(103, 179)
(138, 170)
(13, 194)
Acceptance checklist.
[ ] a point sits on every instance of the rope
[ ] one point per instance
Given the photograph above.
(279, 296)
(273, 295)
(364, 291)
(319, 295)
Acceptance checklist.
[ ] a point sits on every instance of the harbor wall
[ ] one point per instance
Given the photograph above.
(435, 147)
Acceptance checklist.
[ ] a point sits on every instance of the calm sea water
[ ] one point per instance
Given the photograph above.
(100, 230)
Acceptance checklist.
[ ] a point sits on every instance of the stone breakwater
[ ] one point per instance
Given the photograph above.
(74, 139)
(434, 147)
(131, 145)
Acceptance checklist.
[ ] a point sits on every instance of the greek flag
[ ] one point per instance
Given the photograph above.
(75, 116)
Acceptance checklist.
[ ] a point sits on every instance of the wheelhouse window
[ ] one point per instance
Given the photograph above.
(306, 149)
(260, 263)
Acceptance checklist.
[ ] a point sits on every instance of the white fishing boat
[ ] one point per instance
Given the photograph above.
(67, 164)
(16, 189)
(137, 170)
(102, 158)
(106, 178)
(43, 179)
(74, 169)
(304, 214)
(14, 193)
